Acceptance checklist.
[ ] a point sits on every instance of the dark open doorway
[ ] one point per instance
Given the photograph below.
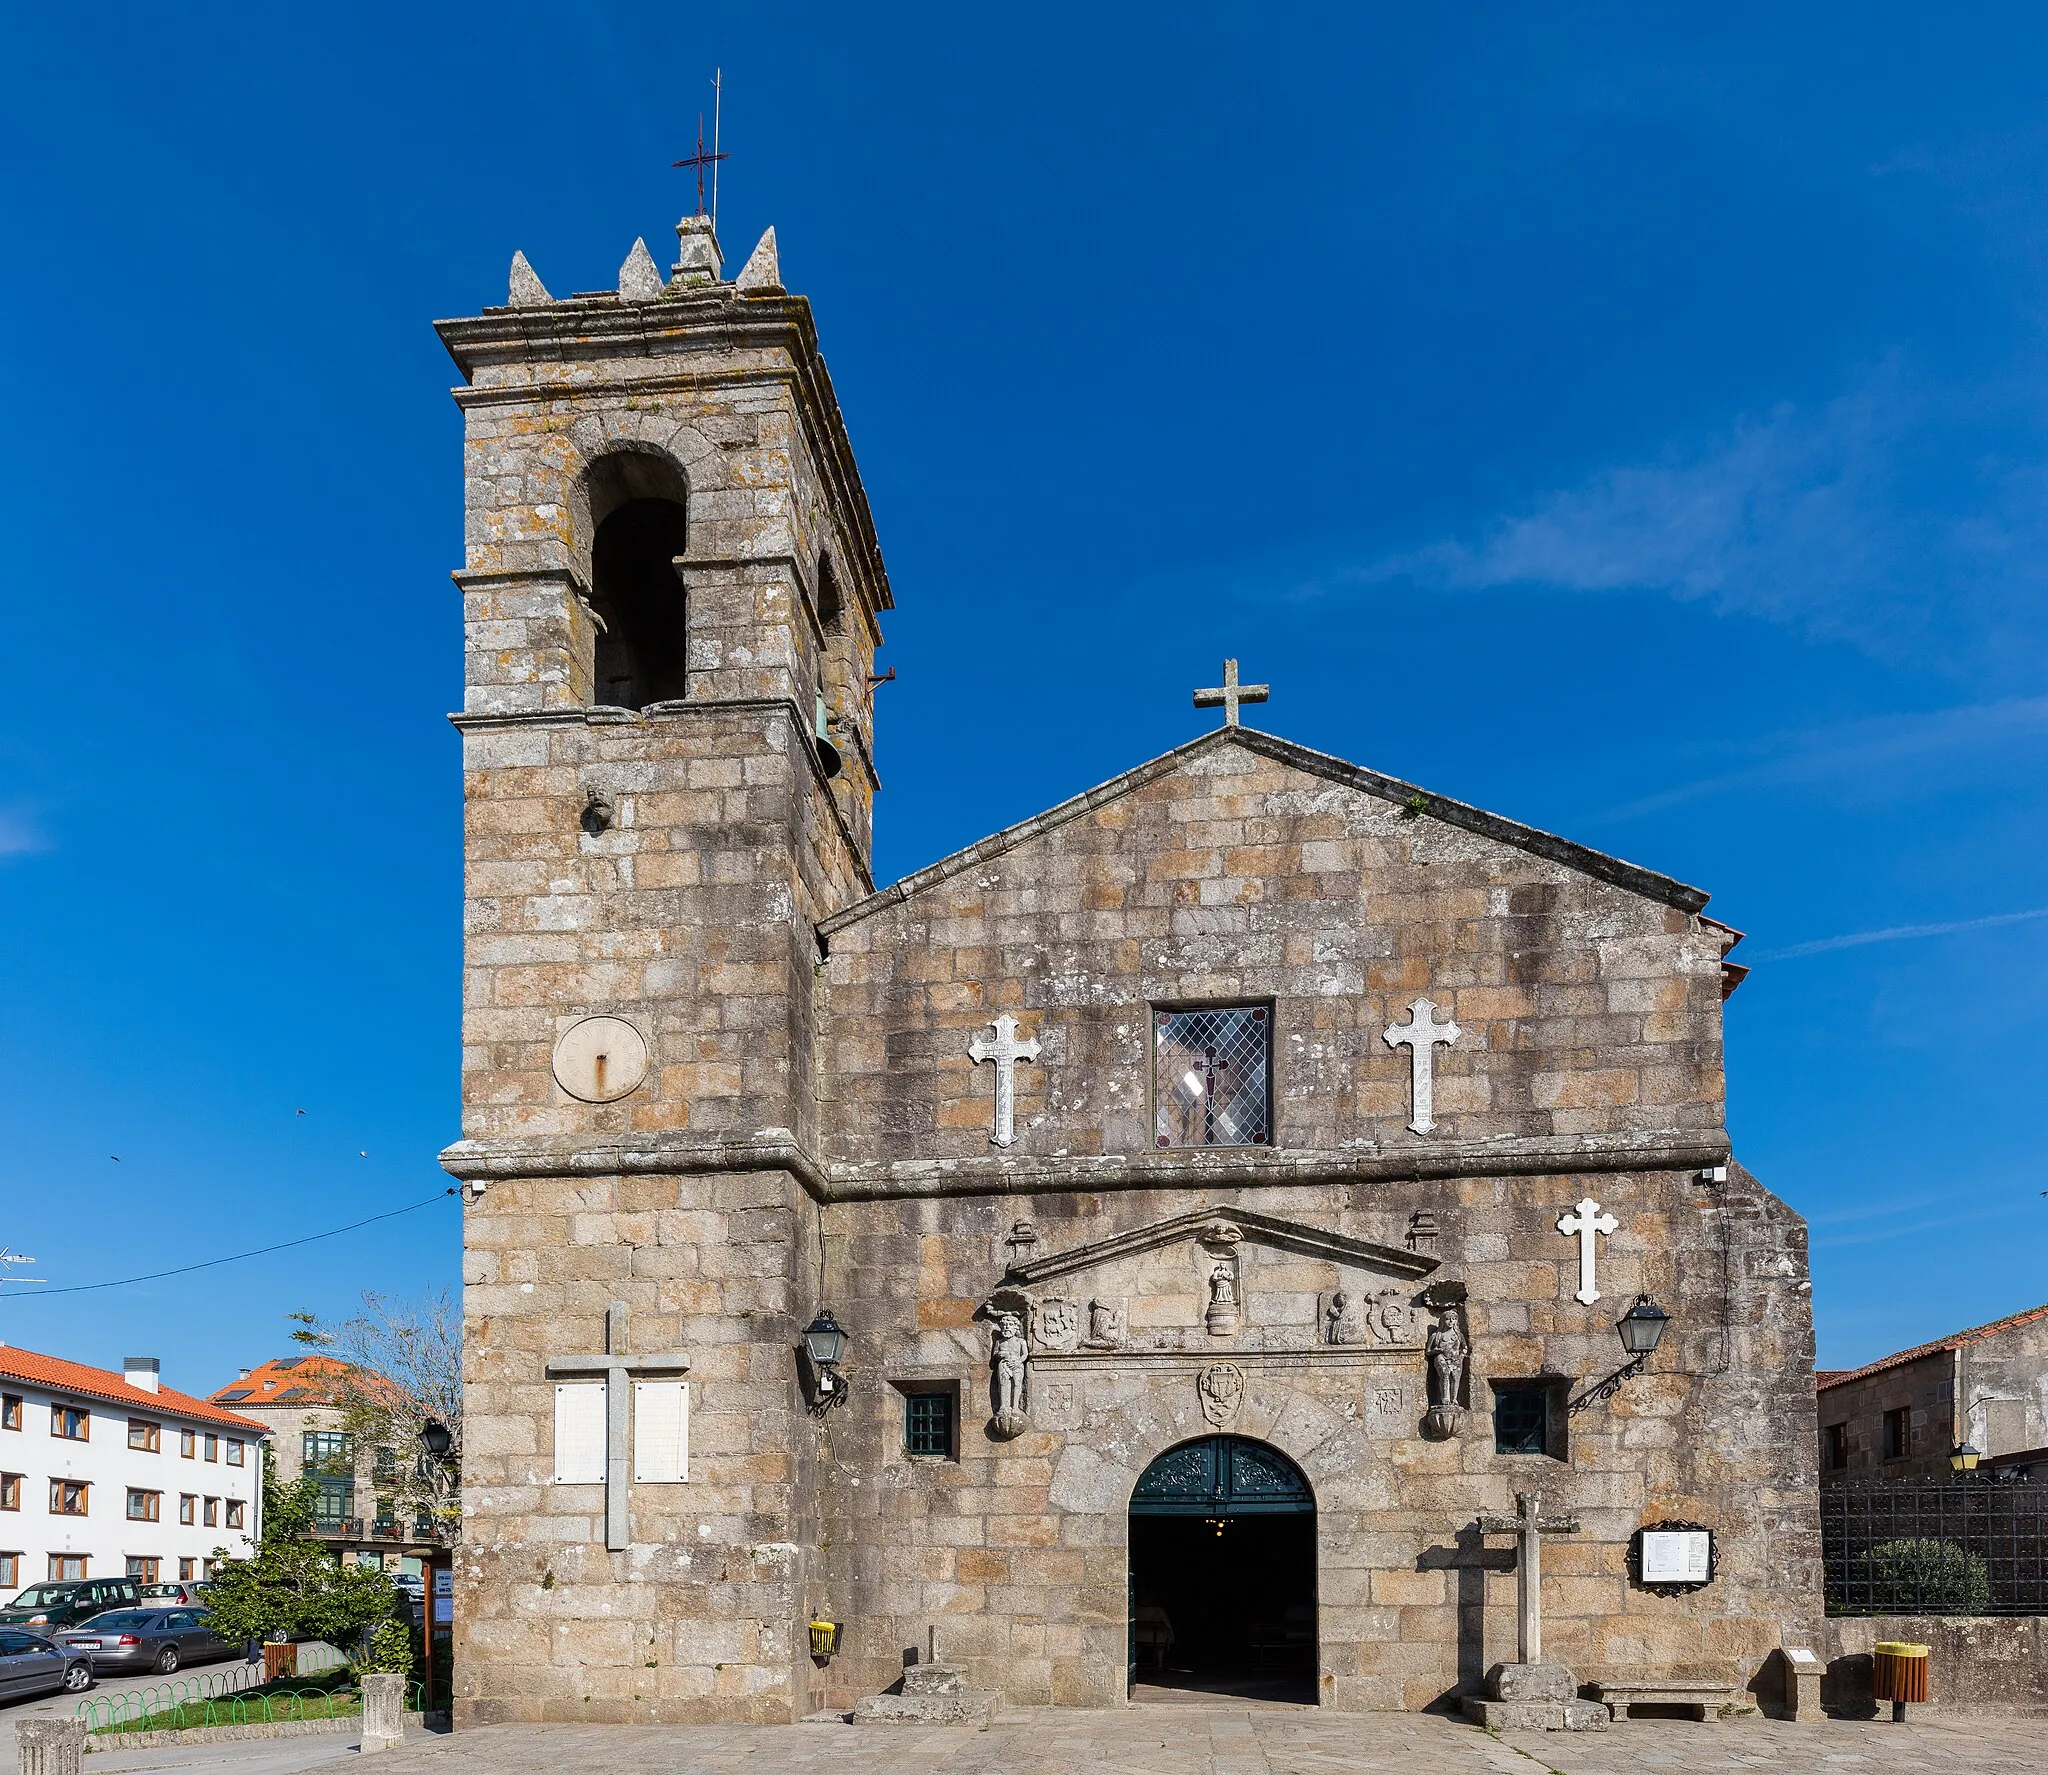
(1223, 1575)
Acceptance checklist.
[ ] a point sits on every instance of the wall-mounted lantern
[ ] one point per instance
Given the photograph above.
(824, 1344)
(824, 1639)
(436, 1439)
(1963, 1458)
(1641, 1330)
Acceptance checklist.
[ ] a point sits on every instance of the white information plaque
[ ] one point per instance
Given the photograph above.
(1676, 1556)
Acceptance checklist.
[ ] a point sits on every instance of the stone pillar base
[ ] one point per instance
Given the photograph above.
(50, 1747)
(383, 1710)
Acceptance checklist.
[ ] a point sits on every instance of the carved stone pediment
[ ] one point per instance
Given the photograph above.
(1221, 1280)
(1227, 1227)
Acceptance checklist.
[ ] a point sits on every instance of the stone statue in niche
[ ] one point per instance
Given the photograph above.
(1391, 1318)
(1059, 1324)
(1225, 1315)
(1446, 1351)
(1344, 1318)
(1009, 1358)
(1105, 1325)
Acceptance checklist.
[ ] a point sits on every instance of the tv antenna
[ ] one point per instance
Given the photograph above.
(717, 105)
(7, 1256)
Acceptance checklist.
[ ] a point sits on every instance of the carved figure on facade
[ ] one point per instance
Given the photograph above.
(1391, 1319)
(1009, 1359)
(1344, 1318)
(1106, 1320)
(1445, 1352)
(1225, 1315)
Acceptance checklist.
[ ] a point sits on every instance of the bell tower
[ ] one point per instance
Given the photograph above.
(672, 594)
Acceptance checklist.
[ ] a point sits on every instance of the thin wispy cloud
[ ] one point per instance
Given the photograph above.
(1896, 517)
(20, 835)
(1900, 933)
(1894, 748)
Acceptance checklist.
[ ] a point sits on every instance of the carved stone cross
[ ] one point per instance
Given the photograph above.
(617, 1370)
(1529, 1525)
(1583, 1223)
(1230, 693)
(1006, 1050)
(1422, 1032)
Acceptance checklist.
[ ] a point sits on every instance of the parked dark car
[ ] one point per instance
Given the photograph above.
(47, 1606)
(30, 1664)
(146, 1639)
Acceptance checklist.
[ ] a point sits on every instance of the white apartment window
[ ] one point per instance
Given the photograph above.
(234, 1451)
(68, 1565)
(188, 1443)
(235, 1513)
(144, 1569)
(70, 1497)
(212, 1446)
(145, 1506)
(185, 1569)
(10, 1491)
(188, 1507)
(145, 1435)
(72, 1422)
(10, 1416)
(213, 1513)
(10, 1571)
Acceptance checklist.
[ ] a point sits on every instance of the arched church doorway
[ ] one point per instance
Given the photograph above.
(1223, 1574)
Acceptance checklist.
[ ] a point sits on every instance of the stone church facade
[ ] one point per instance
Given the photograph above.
(1224, 1114)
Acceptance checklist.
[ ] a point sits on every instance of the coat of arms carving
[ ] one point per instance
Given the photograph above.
(1221, 1387)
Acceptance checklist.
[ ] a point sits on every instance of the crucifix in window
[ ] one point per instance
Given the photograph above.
(577, 1451)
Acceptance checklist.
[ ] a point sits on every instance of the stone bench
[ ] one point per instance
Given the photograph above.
(1703, 1697)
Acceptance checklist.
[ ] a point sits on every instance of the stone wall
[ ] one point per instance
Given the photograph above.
(1924, 1390)
(1017, 1549)
(1976, 1664)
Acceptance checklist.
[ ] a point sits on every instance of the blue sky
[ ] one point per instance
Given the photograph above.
(1636, 425)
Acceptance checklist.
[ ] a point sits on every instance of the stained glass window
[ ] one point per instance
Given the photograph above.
(1211, 1076)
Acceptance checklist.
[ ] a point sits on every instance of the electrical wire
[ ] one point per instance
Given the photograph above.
(239, 1256)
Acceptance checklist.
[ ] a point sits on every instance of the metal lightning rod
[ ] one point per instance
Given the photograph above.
(717, 101)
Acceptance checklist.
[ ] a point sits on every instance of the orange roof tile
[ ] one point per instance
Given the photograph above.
(1835, 1377)
(284, 1380)
(101, 1383)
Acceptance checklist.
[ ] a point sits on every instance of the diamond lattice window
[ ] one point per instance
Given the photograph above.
(1211, 1076)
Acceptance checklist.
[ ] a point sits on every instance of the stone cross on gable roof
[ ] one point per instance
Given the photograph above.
(1230, 693)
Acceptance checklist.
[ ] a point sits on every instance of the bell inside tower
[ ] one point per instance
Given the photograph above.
(638, 504)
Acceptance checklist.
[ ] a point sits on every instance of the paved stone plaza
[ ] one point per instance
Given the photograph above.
(1204, 1740)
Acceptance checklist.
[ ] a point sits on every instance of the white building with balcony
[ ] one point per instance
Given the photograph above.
(105, 1475)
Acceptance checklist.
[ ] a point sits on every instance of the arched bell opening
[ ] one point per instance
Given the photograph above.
(639, 505)
(1223, 1574)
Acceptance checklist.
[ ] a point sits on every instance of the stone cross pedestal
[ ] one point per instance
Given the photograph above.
(1530, 1694)
(933, 1694)
(617, 1370)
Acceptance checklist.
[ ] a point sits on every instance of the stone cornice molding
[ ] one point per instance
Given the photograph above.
(1255, 1225)
(1012, 1175)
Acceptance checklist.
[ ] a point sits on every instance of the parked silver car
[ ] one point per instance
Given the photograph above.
(31, 1664)
(146, 1639)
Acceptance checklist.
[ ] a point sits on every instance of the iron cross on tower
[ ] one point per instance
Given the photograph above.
(617, 1370)
(1230, 693)
(700, 160)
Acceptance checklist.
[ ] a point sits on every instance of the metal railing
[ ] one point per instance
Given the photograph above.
(219, 1688)
(1972, 1546)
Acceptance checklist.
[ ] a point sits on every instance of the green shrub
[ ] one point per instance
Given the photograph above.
(1905, 1577)
(389, 1648)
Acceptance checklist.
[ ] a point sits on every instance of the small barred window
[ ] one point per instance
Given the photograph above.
(928, 1423)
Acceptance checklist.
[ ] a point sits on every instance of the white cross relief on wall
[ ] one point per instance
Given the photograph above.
(1006, 1050)
(1583, 1223)
(1422, 1032)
